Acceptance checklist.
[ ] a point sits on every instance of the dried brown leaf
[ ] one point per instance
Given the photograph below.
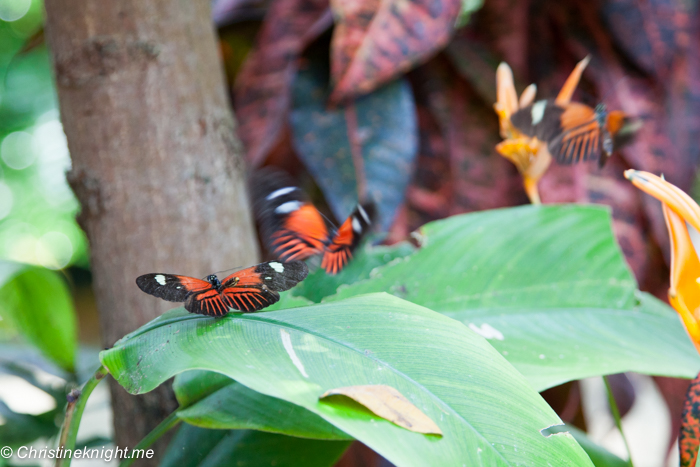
(389, 404)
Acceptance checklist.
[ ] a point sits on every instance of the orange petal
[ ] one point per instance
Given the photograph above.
(684, 294)
(669, 194)
(532, 159)
(528, 95)
(567, 91)
(506, 97)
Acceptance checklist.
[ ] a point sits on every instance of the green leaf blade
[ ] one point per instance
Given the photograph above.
(488, 412)
(235, 407)
(37, 302)
(548, 286)
(193, 446)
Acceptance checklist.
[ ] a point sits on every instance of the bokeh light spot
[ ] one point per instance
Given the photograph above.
(18, 150)
(12, 10)
(54, 250)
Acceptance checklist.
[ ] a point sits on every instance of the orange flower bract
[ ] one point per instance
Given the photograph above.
(682, 213)
(530, 155)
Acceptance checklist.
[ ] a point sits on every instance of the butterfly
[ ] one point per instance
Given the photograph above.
(247, 290)
(294, 229)
(575, 131)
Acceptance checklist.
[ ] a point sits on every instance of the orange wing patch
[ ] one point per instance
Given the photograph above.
(339, 252)
(207, 303)
(193, 285)
(245, 291)
(580, 138)
(616, 121)
(303, 234)
(575, 115)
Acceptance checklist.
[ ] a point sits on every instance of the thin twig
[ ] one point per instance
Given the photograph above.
(74, 412)
(618, 419)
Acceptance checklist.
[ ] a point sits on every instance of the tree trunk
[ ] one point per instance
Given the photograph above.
(156, 163)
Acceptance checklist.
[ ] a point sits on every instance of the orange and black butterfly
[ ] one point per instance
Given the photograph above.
(574, 131)
(247, 290)
(294, 229)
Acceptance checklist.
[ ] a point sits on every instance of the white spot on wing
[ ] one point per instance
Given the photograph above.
(486, 331)
(356, 225)
(160, 278)
(279, 267)
(289, 206)
(537, 112)
(362, 212)
(280, 192)
(287, 342)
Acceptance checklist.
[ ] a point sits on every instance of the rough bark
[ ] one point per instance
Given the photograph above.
(156, 163)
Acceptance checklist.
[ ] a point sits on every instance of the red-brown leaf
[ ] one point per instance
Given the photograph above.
(262, 90)
(377, 40)
(461, 141)
(689, 440)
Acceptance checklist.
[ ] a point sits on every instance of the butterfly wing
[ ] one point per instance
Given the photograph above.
(208, 302)
(199, 296)
(291, 227)
(171, 287)
(339, 250)
(580, 138)
(257, 287)
(571, 131)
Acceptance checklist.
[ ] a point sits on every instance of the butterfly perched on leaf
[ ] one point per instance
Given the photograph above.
(575, 132)
(294, 229)
(247, 290)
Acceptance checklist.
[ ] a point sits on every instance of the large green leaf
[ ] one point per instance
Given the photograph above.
(37, 303)
(548, 286)
(236, 407)
(487, 411)
(600, 456)
(192, 386)
(320, 284)
(199, 447)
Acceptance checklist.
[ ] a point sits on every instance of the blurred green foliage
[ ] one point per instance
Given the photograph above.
(36, 302)
(38, 232)
(37, 207)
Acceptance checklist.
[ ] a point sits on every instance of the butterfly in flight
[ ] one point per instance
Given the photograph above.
(575, 131)
(294, 229)
(247, 290)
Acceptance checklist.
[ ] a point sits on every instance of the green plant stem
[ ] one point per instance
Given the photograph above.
(74, 412)
(618, 419)
(170, 422)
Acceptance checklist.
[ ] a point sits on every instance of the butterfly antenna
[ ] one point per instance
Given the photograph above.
(330, 222)
(226, 271)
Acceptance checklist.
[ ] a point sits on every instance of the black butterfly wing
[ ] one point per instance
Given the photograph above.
(572, 132)
(290, 226)
(199, 296)
(171, 287)
(541, 120)
(257, 287)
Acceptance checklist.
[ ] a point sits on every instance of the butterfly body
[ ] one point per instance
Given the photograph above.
(575, 132)
(247, 290)
(294, 229)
